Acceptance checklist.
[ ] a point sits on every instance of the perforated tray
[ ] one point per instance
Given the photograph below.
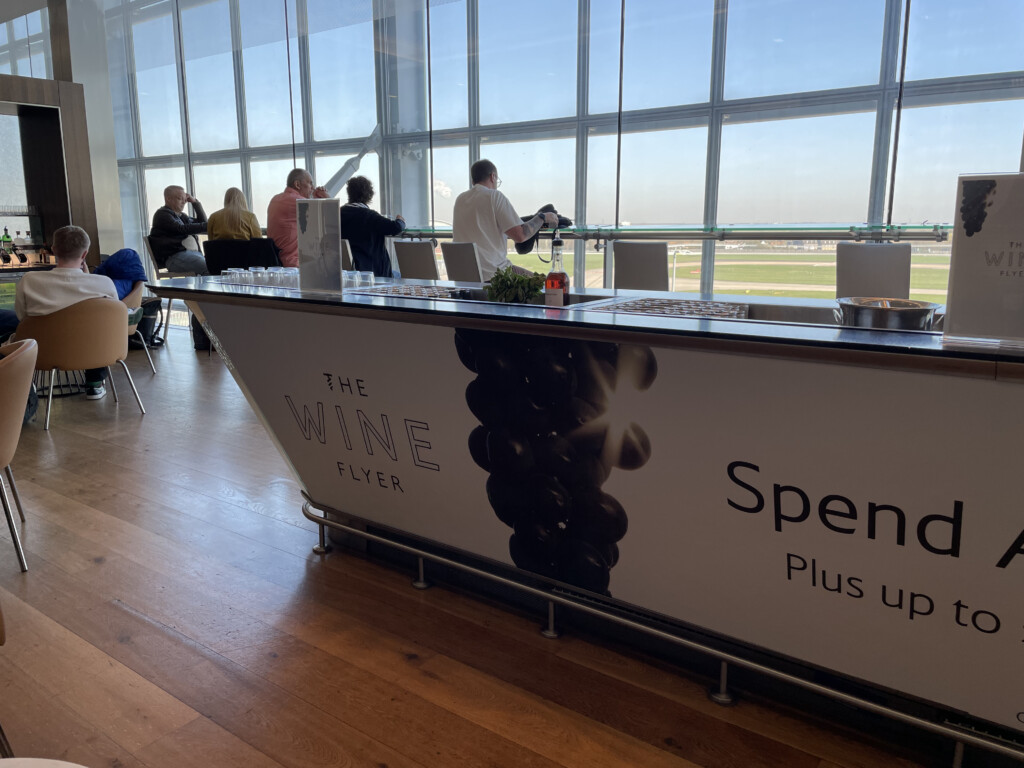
(678, 308)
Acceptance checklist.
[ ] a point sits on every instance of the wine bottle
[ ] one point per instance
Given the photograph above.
(556, 286)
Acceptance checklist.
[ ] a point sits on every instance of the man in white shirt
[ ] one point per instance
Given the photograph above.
(42, 293)
(484, 216)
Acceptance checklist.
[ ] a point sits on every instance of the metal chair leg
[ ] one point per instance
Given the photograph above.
(49, 399)
(14, 490)
(131, 382)
(13, 527)
(145, 346)
(113, 387)
(5, 745)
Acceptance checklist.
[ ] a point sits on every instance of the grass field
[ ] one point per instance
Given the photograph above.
(799, 274)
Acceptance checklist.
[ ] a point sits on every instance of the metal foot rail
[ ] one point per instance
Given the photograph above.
(958, 735)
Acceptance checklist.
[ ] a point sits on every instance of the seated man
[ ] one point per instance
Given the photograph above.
(484, 216)
(282, 226)
(366, 229)
(173, 236)
(42, 293)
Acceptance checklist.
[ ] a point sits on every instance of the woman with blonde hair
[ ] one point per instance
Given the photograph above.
(234, 221)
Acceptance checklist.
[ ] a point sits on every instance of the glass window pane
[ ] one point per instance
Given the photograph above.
(662, 177)
(534, 173)
(605, 31)
(3, 33)
(789, 46)
(667, 54)
(602, 154)
(209, 75)
(269, 48)
(950, 39)
(120, 96)
(12, 167)
(35, 22)
(451, 178)
(37, 66)
(213, 180)
(448, 68)
(20, 25)
(937, 144)
(799, 268)
(812, 170)
(527, 60)
(157, 83)
(341, 68)
(156, 179)
(267, 177)
(5, 65)
(131, 214)
(325, 166)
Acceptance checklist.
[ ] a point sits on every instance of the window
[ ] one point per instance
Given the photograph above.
(662, 177)
(209, 75)
(156, 81)
(535, 173)
(268, 177)
(341, 68)
(451, 179)
(270, 65)
(325, 166)
(12, 173)
(156, 180)
(952, 39)
(789, 46)
(795, 172)
(448, 67)
(527, 60)
(213, 180)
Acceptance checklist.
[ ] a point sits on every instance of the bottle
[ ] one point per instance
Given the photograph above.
(5, 241)
(556, 286)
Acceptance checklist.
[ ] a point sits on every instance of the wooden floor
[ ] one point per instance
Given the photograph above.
(174, 615)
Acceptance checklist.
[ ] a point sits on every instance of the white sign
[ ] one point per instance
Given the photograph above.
(986, 277)
(319, 242)
(863, 520)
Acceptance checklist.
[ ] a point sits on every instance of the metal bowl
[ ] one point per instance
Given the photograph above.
(891, 314)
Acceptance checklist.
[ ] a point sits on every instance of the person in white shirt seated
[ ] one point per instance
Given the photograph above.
(42, 293)
(484, 216)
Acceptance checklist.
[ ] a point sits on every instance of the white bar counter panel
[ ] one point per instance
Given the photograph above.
(843, 497)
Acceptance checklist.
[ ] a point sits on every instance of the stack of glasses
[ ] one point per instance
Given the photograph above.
(276, 277)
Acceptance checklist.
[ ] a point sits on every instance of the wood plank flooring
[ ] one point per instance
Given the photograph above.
(174, 615)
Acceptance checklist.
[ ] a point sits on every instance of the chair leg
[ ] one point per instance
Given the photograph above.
(145, 346)
(5, 745)
(14, 490)
(167, 320)
(113, 386)
(14, 528)
(131, 382)
(49, 399)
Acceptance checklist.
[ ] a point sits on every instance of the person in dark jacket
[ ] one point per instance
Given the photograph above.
(125, 268)
(173, 236)
(365, 229)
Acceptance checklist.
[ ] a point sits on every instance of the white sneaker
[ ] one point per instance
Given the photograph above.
(95, 393)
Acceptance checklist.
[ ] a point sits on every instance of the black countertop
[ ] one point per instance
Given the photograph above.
(588, 315)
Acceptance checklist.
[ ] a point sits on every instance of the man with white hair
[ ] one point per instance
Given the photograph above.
(173, 236)
(43, 293)
(282, 226)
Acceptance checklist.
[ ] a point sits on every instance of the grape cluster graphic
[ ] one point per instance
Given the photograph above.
(549, 440)
(973, 204)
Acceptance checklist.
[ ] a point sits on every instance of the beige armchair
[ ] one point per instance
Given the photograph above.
(16, 368)
(89, 334)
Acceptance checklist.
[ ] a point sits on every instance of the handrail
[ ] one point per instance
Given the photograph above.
(877, 233)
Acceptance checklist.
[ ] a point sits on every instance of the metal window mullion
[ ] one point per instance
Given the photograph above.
(382, 25)
(473, 77)
(305, 85)
(179, 62)
(714, 151)
(133, 104)
(887, 85)
(235, 16)
(579, 268)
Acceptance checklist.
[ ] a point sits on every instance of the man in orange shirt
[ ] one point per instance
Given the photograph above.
(282, 227)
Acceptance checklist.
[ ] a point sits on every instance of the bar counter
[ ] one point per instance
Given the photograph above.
(842, 498)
